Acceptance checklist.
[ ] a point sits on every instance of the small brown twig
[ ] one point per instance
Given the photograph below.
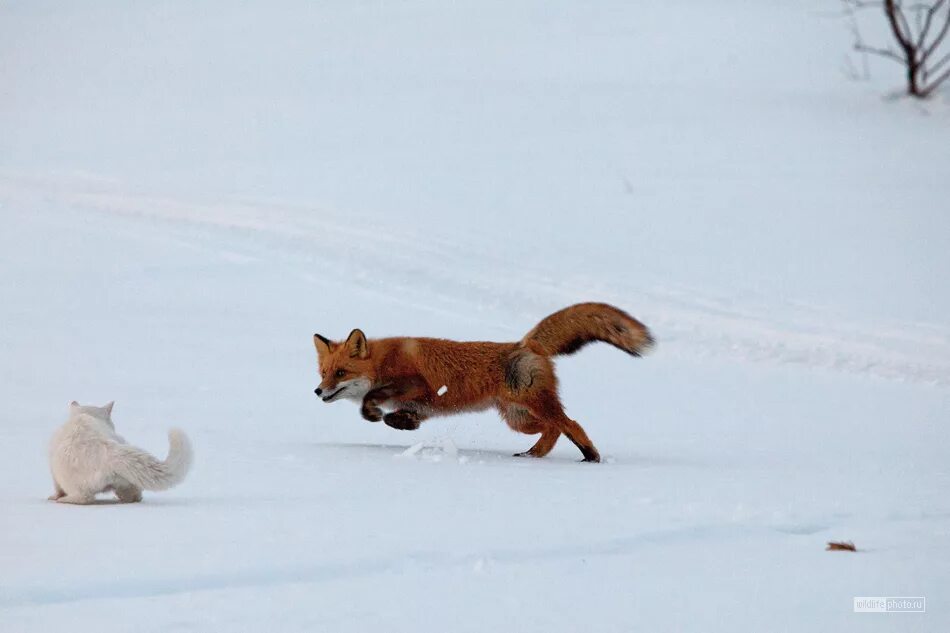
(841, 546)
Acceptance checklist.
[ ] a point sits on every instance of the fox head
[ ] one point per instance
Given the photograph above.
(346, 370)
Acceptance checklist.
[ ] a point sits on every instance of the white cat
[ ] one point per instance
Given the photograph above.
(87, 457)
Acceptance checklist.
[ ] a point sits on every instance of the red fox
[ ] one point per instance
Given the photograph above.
(422, 377)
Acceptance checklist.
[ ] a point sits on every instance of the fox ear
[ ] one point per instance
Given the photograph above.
(109, 406)
(322, 344)
(356, 344)
(73, 404)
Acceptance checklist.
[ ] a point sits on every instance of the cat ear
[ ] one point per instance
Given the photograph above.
(109, 406)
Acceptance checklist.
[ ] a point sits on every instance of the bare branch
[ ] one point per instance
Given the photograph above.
(937, 39)
(849, 69)
(912, 24)
(849, 12)
(935, 83)
(936, 67)
(903, 32)
(918, 10)
(883, 52)
(931, 11)
(864, 4)
(928, 18)
(894, 18)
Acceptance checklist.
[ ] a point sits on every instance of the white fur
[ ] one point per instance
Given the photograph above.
(353, 390)
(87, 456)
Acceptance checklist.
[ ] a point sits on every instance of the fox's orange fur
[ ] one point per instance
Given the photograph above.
(407, 374)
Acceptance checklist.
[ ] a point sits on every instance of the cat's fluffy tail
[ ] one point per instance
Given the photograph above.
(148, 473)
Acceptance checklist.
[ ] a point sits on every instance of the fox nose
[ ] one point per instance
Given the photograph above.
(318, 391)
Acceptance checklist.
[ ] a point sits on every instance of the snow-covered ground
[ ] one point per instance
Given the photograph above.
(189, 190)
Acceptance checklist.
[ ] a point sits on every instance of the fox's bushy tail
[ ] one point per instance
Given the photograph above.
(570, 329)
(148, 473)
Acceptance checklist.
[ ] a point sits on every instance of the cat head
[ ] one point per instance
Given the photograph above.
(103, 413)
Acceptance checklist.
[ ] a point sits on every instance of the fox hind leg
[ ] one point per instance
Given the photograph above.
(531, 384)
(545, 405)
(521, 420)
(575, 432)
(549, 437)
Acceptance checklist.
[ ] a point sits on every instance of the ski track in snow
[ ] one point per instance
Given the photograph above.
(686, 321)
(132, 588)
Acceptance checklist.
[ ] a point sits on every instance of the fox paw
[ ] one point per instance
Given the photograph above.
(591, 455)
(402, 420)
(371, 413)
(527, 454)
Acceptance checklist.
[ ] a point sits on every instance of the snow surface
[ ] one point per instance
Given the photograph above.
(189, 190)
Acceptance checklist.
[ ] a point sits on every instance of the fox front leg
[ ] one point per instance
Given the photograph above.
(404, 389)
(370, 410)
(403, 419)
(375, 397)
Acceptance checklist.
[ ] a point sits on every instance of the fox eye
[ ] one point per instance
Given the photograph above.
(340, 373)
